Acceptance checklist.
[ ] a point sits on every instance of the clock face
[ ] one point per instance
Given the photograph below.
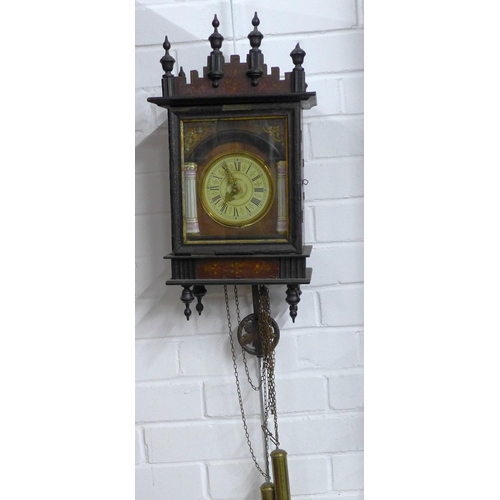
(237, 189)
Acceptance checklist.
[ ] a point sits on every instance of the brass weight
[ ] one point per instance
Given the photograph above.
(280, 474)
(267, 491)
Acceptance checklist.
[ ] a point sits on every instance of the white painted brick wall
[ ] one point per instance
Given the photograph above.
(336, 136)
(322, 434)
(302, 394)
(342, 306)
(328, 349)
(347, 471)
(154, 402)
(346, 390)
(159, 483)
(190, 443)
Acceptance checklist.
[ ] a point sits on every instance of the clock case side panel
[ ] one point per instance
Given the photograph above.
(296, 179)
(176, 193)
(294, 243)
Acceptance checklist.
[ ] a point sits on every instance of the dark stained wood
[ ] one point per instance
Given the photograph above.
(216, 59)
(255, 58)
(243, 281)
(307, 100)
(237, 268)
(235, 82)
(205, 269)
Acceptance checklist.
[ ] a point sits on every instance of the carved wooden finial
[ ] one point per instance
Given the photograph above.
(255, 58)
(255, 36)
(167, 63)
(216, 38)
(187, 297)
(293, 293)
(216, 58)
(298, 73)
(297, 55)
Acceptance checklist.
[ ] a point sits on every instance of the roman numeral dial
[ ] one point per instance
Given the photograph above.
(237, 189)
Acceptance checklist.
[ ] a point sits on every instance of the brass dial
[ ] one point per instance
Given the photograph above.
(237, 189)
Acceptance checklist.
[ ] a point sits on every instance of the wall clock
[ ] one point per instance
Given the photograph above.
(236, 171)
(236, 189)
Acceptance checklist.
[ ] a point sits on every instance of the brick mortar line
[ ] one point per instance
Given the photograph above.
(316, 118)
(156, 465)
(303, 373)
(175, 383)
(151, 213)
(333, 159)
(329, 244)
(336, 201)
(316, 287)
(292, 35)
(299, 374)
(308, 330)
(333, 245)
(354, 72)
(301, 332)
(357, 8)
(311, 288)
(153, 172)
(253, 420)
(153, 465)
(306, 371)
(236, 418)
(339, 494)
(295, 456)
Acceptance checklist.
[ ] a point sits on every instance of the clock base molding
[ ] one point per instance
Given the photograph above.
(263, 269)
(198, 271)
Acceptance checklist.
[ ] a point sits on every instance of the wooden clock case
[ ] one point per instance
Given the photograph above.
(242, 94)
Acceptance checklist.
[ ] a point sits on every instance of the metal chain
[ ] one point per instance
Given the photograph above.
(267, 379)
(238, 389)
(265, 329)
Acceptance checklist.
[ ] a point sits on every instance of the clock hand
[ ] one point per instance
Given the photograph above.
(230, 194)
(234, 188)
(230, 179)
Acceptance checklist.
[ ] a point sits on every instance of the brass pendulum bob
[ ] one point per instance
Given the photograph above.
(280, 474)
(267, 491)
